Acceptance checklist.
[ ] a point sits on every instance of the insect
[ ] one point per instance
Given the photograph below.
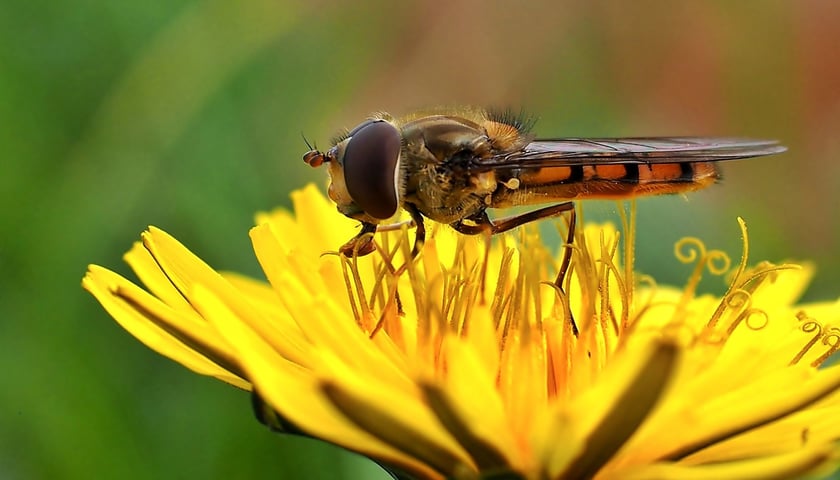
(452, 166)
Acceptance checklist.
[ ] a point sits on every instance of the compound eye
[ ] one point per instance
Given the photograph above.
(371, 168)
(360, 126)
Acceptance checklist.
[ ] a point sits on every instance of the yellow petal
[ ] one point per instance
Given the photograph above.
(295, 393)
(798, 463)
(166, 331)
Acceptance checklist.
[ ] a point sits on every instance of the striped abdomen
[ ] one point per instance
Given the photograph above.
(611, 181)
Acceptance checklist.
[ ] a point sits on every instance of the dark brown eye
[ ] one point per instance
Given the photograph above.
(359, 127)
(371, 165)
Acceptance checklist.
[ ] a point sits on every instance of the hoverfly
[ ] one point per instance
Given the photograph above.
(451, 167)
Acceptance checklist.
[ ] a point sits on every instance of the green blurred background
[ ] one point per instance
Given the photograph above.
(188, 115)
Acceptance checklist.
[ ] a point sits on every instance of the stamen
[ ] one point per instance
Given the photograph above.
(833, 341)
(738, 296)
(809, 325)
(628, 224)
(500, 299)
(648, 283)
(830, 336)
(693, 250)
(352, 285)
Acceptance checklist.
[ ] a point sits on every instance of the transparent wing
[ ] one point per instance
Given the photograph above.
(604, 151)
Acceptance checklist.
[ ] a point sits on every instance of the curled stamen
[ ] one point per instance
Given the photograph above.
(689, 249)
(832, 339)
(696, 253)
(718, 262)
(735, 299)
(809, 325)
(746, 318)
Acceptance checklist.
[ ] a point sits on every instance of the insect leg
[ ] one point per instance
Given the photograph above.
(484, 224)
(564, 268)
(393, 227)
(420, 233)
(567, 251)
(362, 244)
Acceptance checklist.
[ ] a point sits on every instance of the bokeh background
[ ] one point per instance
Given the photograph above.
(188, 115)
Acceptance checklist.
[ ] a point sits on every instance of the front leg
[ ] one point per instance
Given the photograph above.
(481, 223)
(362, 244)
(420, 233)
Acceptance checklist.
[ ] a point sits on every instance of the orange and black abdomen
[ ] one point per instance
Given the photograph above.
(605, 181)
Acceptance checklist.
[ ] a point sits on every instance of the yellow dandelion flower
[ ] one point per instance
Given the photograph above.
(464, 365)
